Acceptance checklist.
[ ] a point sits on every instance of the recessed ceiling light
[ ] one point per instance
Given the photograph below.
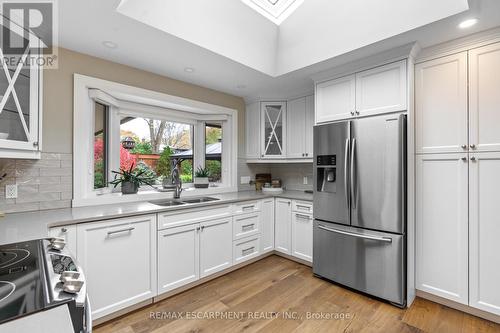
(189, 70)
(109, 44)
(467, 23)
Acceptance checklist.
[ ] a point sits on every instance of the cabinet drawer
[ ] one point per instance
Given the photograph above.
(246, 225)
(176, 219)
(302, 206)
(246, 249)
(246, 207)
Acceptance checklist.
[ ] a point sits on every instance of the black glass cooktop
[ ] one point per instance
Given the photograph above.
(21, 280)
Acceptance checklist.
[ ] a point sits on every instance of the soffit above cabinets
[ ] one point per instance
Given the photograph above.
(275, 10)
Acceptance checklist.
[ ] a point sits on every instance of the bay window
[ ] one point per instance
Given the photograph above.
(149, 134)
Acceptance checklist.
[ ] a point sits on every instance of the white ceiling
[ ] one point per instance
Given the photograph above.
(198, 37)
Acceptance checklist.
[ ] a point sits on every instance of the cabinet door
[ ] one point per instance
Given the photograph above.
(273, 133)
(252, 128)
(119, 261)
(283, 224)
(216, 246)
(267, 226)
(178, 257)
(442, 225)
(441, 105)
(295, 122)
(484, 98)
(335, 99)
(309, 126)
(382, 89)
(302, 236)
(68, 233)
(484, 229)
(19, 107)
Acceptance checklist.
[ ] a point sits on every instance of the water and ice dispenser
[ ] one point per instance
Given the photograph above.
(327, 173)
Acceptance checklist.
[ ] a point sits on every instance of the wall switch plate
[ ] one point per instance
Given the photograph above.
(305, 180)
(245, 180)
(11, 191)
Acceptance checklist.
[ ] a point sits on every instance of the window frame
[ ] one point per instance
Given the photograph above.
(125, 100)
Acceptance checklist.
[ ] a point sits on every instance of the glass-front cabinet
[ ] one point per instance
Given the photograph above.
(20, 111)
(273, 120)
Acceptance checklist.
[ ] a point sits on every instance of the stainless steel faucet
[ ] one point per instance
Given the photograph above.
(176, 180)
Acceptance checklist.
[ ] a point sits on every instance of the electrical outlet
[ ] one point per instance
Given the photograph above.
(305, 180)
(11, 191)
(245, 180)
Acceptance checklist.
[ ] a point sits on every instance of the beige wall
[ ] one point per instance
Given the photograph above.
(58, 95)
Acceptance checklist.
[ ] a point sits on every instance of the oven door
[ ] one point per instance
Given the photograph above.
(369, 261)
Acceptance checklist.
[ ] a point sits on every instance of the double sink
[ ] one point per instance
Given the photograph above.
(178, 202)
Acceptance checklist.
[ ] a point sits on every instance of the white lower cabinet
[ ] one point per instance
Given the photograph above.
(68, 233)
(245, 249)
(484, 232)
(283, 225)
(215, 246)
(267, 226)
(302, 236)
(442, 225)
(178, 257)
(119, 260)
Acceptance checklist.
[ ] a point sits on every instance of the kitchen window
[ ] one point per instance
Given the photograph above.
(119, 126)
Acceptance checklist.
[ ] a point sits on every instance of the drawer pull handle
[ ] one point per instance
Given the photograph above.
(247, 207)
(247, 226)
(303, 216)
(120, 231)
(304, 207)
(248, 251)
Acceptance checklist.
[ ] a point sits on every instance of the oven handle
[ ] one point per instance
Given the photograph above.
(353, 234)
(88, 316)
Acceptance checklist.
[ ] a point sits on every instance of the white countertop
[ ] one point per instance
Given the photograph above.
(31, 225)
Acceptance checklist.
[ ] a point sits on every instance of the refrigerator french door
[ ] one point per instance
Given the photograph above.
(360, 205)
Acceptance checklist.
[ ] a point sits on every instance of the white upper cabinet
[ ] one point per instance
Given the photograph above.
(119, 261)
(252, 116)
(273, 131)
(382, 89)
(484, 98)
(336, 99)
(299, 126)
(442, 225)
(484, 229)
(309, 126)
(20, 108)
(441, 105)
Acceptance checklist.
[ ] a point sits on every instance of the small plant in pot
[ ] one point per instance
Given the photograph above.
(131, 179)
(201, 178)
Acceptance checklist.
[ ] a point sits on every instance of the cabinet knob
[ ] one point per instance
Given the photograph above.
(35, 144)
(472, 146)
(352, 113)
(472, 158)
(307, 154)
(357, 112)
(464, 146)
(64, 230)
(464, 159)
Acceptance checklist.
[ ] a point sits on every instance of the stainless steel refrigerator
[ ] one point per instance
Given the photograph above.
(360, 205)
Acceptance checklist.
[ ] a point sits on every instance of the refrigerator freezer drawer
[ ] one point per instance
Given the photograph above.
(369, 261)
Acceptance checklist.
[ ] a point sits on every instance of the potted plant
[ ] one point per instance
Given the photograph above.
(201, 178)
(131, 179)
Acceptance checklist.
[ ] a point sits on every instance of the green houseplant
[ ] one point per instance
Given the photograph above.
(131, 179)
(201, 178)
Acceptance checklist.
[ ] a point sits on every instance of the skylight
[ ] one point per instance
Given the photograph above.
(275, 10)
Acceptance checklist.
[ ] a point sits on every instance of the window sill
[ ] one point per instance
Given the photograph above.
(148, 195)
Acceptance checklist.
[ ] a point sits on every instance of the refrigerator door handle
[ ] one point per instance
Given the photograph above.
(353, 234)
(346, 188)
(353, 183)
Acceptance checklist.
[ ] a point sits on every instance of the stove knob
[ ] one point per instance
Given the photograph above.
(57, 244)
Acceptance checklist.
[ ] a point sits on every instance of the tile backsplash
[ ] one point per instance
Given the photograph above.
(42, 184)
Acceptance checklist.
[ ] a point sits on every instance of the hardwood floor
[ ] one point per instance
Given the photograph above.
(260, 295)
